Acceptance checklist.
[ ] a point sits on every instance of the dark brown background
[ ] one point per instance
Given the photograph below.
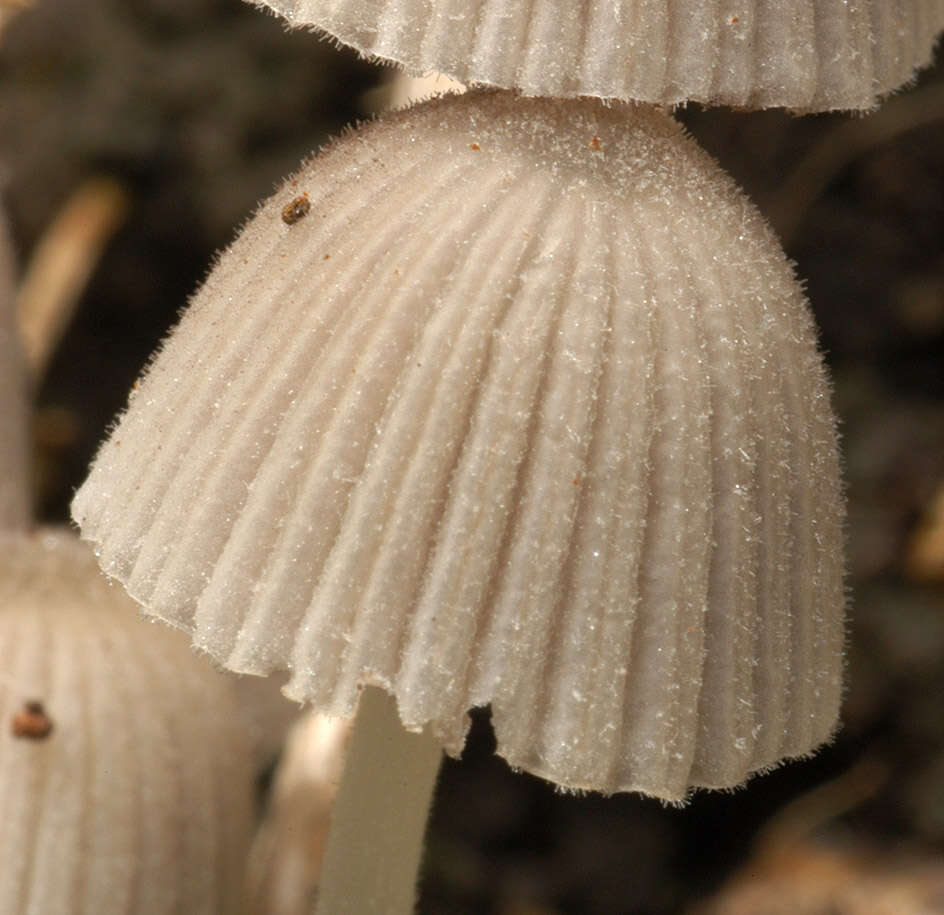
(198, 107)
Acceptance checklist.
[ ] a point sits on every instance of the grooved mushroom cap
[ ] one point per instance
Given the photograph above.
(127, 790)
(14, 496)
(808, 55)
(525, 410)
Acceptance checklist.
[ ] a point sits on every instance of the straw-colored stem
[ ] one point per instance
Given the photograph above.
(791, 199)
(62, 263)
(375, 843)
(288, 849)
(33, 318)
(9, 9)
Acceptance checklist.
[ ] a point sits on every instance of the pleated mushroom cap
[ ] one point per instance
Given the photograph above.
(808, 55)
(502, 401)
(125, 786)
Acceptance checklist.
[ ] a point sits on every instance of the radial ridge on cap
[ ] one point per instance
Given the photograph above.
(806, 55)
(527, 411)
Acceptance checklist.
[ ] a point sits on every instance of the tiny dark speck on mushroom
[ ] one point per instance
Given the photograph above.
(31, 721)
(595, 143)
(297, 209)
(475, 146)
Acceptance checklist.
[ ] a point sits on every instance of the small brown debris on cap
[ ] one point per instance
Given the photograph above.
(594, 143)
(31, 721)
(475, 146)
(297, 209)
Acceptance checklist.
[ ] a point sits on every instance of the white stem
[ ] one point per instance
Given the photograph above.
(14, 447)
(375, 842)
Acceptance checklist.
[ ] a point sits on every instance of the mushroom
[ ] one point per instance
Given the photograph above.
(125, 783)
(808, 55)
(125, 776)
(525, 411)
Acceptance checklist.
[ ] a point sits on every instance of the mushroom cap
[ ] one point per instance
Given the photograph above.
(14, 447)
(807, 55)
(526, 410)
(136, 795)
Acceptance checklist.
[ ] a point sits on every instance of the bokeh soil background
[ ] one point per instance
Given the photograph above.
(198, 107)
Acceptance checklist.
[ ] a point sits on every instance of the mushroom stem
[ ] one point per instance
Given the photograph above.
(375, 842)
(14, 464)
(61, 265)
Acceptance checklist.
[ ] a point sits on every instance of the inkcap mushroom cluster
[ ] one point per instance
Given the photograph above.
(515, 402)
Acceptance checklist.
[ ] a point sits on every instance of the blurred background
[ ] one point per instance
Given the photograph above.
(142, 133)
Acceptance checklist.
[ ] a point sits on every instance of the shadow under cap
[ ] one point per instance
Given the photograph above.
(525, 411)
(807, 55)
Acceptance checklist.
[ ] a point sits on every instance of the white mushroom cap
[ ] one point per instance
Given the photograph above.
(139, 797)
(808, 55)
(526, 409)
